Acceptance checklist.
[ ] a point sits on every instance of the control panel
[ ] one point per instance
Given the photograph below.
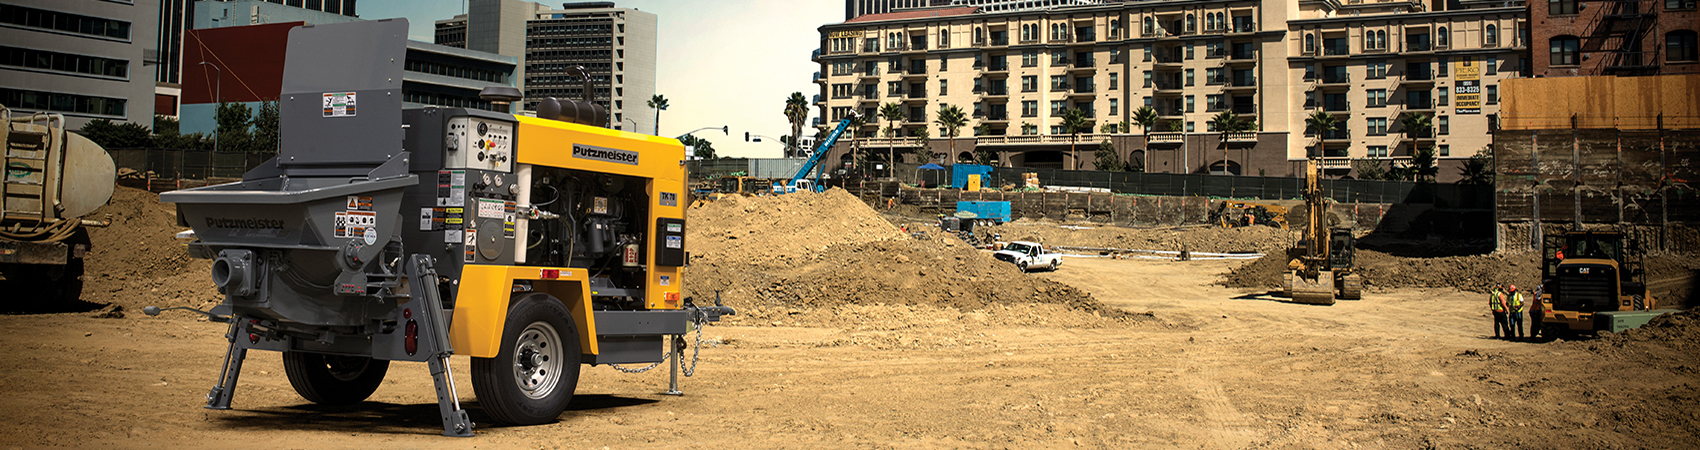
(478, 143)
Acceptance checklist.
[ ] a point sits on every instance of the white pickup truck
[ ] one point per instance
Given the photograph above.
(1028, 255)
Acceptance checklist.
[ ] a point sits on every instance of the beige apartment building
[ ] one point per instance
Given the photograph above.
(1365, 62)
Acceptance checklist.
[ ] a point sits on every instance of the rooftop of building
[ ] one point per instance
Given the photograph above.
(915, 14)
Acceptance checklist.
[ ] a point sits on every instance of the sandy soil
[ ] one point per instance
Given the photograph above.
(1108, 354)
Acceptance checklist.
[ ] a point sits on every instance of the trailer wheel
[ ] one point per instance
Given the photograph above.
(533, 376)
(333, 379)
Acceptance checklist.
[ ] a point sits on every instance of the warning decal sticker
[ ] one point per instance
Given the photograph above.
(339, 104)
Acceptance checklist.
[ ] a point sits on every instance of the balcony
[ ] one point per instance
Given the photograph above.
(869, 72)
(1083, 90)
(1059, 62)
(1336, 50)
(1337, 135)
(1245, 109)
(1243, 26)
(1242, 83)
(1085, 38)
(997, 91)
(1249, 136)
(1336, 78)
(819, 79)
(1216, 107)
(1059, 87)
(995, 117)
(894, 93)
(1422, 105)
(1000, 41)
(1160, 59)
(1003, 67)
(875, 48)
(1157, 32)
(1417, 78)
(916, 94)
(1215, 81)
(1166, 86)
(819, 100)
(1169, 113)
(1242, 57)
(1424, 135)
(1165, 138)
(1418, 45)
(1084, 64)
(916, 70)
(1337, 106)
(916, 118)
(870, 96)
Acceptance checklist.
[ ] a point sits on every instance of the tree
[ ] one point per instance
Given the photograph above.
(1228, 122)
(892, 113)
(922, 138)
(952, 119)
(1074, 123)
(116, 135)
(1107, 157)
(1028, 129)
(701, 148)
(266, 131)
(1369, 169)
(1478, 169)
(164, 125)
(1108, 128)
(1320, 123)
(234, 121)
(1146, 117)
(856, 153)
(796, 111)
(659, 104)
(1175, 126)
(1422, 167)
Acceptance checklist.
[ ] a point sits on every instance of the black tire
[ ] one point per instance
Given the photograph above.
(333, 379)
(521, 390)
(1021, 265)
(1056, 264)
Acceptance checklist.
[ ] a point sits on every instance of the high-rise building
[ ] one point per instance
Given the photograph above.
(1614, 37)
(178, 16)
(1366, 65)
(615, 45)
(85, 59)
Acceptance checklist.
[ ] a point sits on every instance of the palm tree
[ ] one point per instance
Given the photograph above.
(796, 111)
(659, 104)
(1415, 124)
(1228, 122)
(952, 119)
(1074, 123)
(1321, 123)
(1146, 117)
(892, 113)
(856, 123)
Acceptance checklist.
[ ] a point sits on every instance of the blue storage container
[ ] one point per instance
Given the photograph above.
(959, 175)
(998, 211)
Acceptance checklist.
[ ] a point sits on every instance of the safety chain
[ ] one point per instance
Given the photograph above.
(701, 321)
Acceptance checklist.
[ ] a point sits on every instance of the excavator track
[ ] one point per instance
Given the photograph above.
(1352, 287)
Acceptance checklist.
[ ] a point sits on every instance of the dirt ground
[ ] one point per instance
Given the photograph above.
(841, 346)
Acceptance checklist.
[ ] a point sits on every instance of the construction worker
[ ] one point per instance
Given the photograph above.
(1514, 304)
(1535, 314)
(1496, 303)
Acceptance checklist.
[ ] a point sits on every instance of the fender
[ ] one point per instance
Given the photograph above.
(481, 305)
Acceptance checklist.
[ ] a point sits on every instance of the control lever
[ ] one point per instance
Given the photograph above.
(155, 310)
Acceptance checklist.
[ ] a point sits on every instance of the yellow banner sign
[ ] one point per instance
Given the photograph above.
(1467, 95)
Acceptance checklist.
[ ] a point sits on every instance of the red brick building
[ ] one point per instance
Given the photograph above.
(1614, 37)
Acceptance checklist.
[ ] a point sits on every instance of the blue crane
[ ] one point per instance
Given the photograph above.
(814, 160)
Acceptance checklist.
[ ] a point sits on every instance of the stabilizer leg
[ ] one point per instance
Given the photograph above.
(424, 281)
(678, 344)
(219, 397)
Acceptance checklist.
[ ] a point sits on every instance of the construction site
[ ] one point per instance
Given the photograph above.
(553, 262)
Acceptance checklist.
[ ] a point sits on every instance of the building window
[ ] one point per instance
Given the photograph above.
(1029, 108)
(1310, 43)
(1189, 77)
(1493, 94)
(1490, 36)
(1442, 39)
(1445, 150)
(1114, 110)
(63, 62)
(1029, 83)
(1442, 125)
(1491, 65)
(1680, 46)
(944, 63)
(1377, 126)
(1189, 105)
(58, 102)
(944, 88)
(1493, 122)
(1148, 79)
(1059, 82)
(1029, 59)
(1565, 51)
(1377, 98)
(66, 22)
(1189, 126)
(1375, 40)
(1442, 68)
(1376, 70)
(1115, 79)
(1057, 107)
(1561, 7)
(1441, 100)
(1378, 151)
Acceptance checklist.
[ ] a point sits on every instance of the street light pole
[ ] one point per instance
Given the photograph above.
(634, 124)
(218, 98)
(723, 129)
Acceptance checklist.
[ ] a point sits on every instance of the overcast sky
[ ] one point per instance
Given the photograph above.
(719, 62)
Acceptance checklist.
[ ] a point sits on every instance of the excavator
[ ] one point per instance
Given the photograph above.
(1320, 268)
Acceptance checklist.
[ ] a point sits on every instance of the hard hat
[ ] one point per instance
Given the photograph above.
(1513, 287)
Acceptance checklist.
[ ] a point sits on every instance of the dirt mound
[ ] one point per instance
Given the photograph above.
(1384, 271)
(1682, 327)
(138, 261)
(781, 257)
(1257, 239)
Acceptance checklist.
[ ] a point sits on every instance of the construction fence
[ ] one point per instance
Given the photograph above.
(173, 164)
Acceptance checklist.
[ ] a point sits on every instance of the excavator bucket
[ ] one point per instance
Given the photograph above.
(1315, 292)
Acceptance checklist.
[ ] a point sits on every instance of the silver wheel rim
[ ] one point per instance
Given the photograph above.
(346, 368)
(537, 360)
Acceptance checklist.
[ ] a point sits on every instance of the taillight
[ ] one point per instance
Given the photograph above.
(410, 341)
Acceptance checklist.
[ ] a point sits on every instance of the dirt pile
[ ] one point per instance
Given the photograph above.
(789, 257)
(138, 261)
(1681, 329)
(1383, 271)
(1257, 239)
